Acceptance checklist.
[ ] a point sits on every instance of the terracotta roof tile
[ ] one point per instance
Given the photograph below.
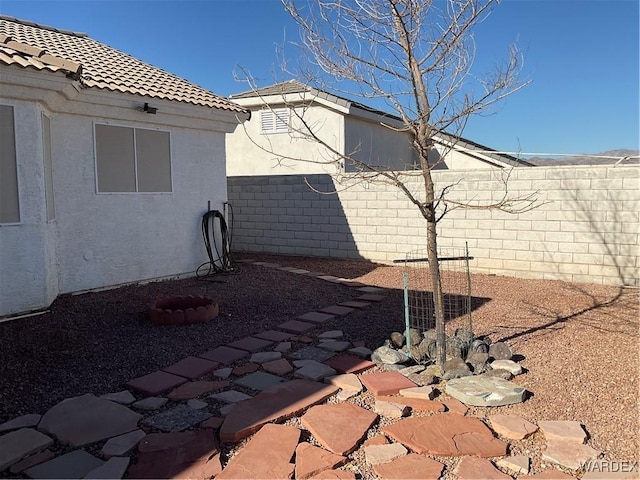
(96, 65)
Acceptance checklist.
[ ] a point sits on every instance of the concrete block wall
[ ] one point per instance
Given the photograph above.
(586, 227)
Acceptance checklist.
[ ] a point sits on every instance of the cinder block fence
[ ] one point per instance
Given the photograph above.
(585, 229)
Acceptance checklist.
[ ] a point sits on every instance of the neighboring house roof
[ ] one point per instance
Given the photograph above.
(96, 65)
(296, 87)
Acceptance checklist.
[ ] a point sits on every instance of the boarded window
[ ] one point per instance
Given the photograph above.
(132, 159)
(48, 167)
(9, 198)
(274, 120)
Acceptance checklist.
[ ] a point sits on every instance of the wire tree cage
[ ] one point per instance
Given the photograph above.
(419, 301)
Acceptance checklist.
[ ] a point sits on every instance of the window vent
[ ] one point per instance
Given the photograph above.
(274, 120)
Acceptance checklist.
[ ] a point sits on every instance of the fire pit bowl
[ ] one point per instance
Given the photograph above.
(182, 310)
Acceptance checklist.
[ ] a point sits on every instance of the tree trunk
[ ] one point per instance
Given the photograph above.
(434, 264)
(438, 297)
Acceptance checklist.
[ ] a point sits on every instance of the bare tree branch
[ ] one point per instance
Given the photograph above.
(416, 56)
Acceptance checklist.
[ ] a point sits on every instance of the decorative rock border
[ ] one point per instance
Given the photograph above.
(182, 310)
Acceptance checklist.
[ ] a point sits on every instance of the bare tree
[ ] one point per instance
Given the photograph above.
(416, 57)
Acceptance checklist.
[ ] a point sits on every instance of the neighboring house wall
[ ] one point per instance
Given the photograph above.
(587, 231)
(455, 160)
(374, 144)
(251, 152)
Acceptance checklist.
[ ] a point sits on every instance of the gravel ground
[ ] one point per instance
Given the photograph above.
(578, 342)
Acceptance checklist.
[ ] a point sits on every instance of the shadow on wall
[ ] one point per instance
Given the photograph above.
(290, 215)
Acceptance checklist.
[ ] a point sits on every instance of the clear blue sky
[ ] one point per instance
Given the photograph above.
(581, 55)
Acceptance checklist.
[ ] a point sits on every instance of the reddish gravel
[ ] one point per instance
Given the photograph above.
(579, 342)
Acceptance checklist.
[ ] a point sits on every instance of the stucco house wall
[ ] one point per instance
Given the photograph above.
(375, 144)
(250, 152)
(71, 235)
(115, 238)
(28, 268)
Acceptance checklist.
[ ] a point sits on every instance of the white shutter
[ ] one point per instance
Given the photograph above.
(267, 121)
(274, 121)
(282, 120)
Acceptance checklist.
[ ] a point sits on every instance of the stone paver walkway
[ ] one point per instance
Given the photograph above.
(174, 419)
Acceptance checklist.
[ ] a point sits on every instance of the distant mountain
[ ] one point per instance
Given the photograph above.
(589, 159)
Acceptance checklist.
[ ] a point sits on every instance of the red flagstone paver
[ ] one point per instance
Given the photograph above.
(244, 369)
(547, 475)
(371, 297)
(472, 468)
(369, 289)
(155, 383)
(329, 278)
(87, 419)
(518, 464)
(273, 335)
(296, 326)
(213, 422)
(113, 468)
(447, 434)
(32, 461)
(123, 398)
(311, 460)
(456, 406)
(75, 464)
(121, 445)
(278, 367)
(349, 364)
(418, 404)
(250, 344)
(338, 427)
(193, 454)
(346, 381)
(630, 473)
(258, 381)
(335, 475)
(354, 304)
(410, 466)
(267, 455)
(274, 404)
(191, 367)
(512, 426)
(391, 409)
(305, 339)
(300, 271)
(378, 454)
(316, 317)
(377, 440)
(190, 390)
(337, 310)
(23, 421)
(18, 444)
(224, 355)
(386, 383)
(569, 454)
(563, 430)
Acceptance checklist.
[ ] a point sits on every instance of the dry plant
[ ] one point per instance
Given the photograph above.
(415, 57)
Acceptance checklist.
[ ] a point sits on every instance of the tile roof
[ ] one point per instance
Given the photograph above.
(96, 65)
(283, 88)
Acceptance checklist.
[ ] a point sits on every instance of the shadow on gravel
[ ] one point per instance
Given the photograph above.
(621, 311)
